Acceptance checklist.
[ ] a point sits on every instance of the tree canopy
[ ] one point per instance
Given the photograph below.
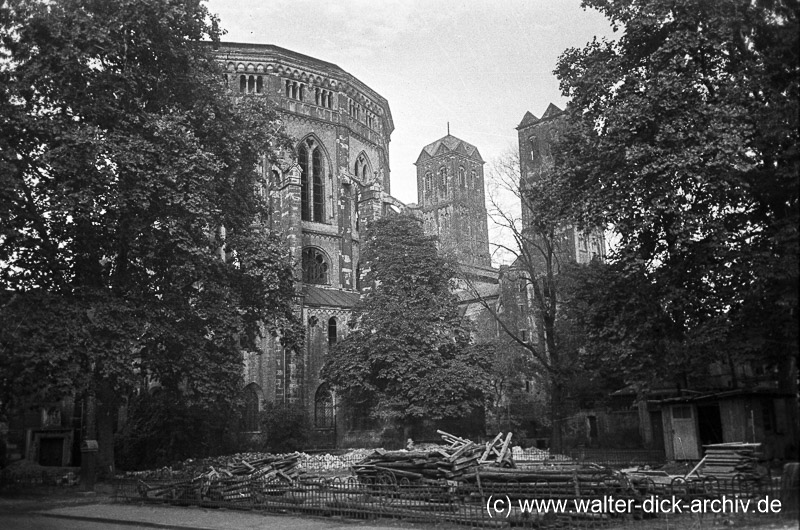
(408, 355)
(682, 136)
(134, 237)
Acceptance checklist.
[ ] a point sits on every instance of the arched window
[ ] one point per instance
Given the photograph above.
(462, 177)
(443, 178)
(361, 168)
(332, 331)
(312, 189)
(259, 84)
(323, 408)
(316, 174)
(315, 266)
(250, 418)
(242, 84)
(251, 84)
(474, 179)
(428, 179)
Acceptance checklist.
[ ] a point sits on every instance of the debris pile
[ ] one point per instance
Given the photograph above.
(498, 452)
(445, 462)
(234, 480)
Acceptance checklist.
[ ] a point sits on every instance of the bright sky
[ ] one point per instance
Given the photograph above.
(478, 64)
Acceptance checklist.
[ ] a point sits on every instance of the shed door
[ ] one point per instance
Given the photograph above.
(684, 433)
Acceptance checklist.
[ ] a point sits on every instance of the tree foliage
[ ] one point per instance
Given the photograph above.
(683, 137)
(540, 240)
(126, 173)
(408, 354)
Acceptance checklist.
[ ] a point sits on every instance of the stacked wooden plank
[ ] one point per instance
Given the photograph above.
(728, 460)
(238, 480)
(449, 461)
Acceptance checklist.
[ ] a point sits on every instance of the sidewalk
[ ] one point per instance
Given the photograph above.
(173, 517)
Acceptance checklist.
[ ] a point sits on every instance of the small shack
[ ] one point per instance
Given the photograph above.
(758, 415)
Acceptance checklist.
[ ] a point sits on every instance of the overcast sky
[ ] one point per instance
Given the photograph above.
(478, 64)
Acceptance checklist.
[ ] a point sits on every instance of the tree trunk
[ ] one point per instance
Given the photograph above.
(556, 415)
(106, 412)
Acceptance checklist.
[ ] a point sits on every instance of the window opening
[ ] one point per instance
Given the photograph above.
(305, 189)
(315, 267)
(250, 419)
(323, 408)
(332, 331)
(318, 187)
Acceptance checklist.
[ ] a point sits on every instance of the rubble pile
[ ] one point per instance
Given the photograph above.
(446, 462)
(233, 479)
(320, 463)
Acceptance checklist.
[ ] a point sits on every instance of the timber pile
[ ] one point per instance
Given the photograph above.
(452, 461)
(237, 480)
(498, 452)
(561, 483)
(728, 460)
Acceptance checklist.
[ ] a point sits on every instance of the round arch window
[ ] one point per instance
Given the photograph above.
(315, 266)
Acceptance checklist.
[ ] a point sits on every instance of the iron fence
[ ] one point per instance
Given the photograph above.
(26, 478)
(618, 457)
(570, 503)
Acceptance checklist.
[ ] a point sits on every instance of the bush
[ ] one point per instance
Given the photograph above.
(161, 430)
(284, 428)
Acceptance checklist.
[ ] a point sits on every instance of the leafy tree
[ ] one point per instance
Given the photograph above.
(408, 355)
(538, 237)
(683, 137)
(127, 174)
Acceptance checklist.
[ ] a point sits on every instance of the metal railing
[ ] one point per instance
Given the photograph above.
(473, 503)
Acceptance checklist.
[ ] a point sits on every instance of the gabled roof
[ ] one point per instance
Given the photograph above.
(445, 145)
(528, 119)
(551, 112)
(317, 296)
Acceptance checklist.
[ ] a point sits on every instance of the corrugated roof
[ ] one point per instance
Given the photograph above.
(317, 296)
(451, 143)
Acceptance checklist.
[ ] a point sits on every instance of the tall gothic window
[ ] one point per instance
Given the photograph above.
(250, 419)
(315, 266)
(323, 408)
(312, 188)
(332, 331)
(443, 178)
(462, 177)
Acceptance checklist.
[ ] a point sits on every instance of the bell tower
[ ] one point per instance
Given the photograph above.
(450, 191)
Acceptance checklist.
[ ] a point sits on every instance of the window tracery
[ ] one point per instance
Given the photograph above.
(315, 266)
(312, 188)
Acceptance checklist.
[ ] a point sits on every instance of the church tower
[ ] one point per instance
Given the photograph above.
(535, 136)
(450, 191)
